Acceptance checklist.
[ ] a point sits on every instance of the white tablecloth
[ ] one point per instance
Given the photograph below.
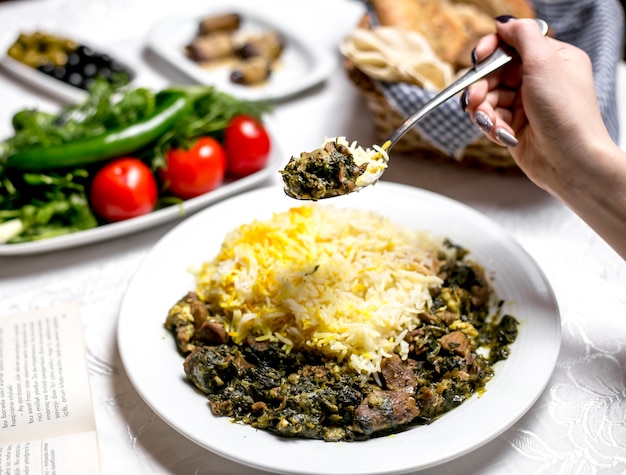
(577, 426)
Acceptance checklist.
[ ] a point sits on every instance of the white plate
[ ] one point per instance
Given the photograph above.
(162, 280)
(301, 66)
(43, 82)
(112, 230)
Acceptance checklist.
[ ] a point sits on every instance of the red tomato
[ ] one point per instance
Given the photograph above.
(247, 146)
(192, 172)
(122, 189)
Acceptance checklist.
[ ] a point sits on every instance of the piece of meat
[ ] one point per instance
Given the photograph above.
(384, 410)
(212, 332)
(398, 376)
(456, 342)
(256, 345)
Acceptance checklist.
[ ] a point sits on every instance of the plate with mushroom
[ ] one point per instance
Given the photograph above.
(242, 52)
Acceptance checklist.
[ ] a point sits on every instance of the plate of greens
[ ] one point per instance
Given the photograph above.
(49, 166)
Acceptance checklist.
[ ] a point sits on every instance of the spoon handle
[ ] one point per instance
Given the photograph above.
(496, 60)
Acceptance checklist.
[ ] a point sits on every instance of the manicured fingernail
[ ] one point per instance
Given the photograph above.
(473, 57)
(505, 137)
(483, 122)
(464, 100)
(504, 18)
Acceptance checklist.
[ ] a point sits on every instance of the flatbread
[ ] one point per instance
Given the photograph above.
(395, 55)
(451, 27)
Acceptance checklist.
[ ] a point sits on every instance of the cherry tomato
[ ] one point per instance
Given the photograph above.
(122, 189)
(247, 146)
(192, 172)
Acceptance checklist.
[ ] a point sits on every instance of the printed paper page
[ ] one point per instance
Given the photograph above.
(47, 423)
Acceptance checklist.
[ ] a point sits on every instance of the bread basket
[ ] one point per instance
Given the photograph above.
(481, 154)
(602, 39)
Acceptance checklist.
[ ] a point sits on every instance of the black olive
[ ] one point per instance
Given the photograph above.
(75, 79)
(90, 70)
(73, 59)
(46, 68)
(83, 65)
(59, 72)
(84, 51)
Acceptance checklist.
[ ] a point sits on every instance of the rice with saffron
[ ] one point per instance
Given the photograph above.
(346, 283)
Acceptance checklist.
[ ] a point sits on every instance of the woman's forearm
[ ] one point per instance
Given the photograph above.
(594, 187)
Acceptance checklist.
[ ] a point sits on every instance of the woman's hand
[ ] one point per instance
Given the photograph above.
(543, 106)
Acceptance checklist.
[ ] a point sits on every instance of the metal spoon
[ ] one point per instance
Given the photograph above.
(500, 57)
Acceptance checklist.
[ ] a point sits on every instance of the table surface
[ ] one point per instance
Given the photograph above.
(578, 422)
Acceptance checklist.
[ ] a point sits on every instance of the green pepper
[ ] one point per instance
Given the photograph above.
(174, 104)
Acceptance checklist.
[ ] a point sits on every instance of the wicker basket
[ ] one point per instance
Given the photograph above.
(481, 154)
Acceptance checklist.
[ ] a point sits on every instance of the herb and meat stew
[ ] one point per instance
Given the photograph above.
(339, 325)
(336, 168)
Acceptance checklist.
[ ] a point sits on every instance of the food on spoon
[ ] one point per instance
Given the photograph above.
(337, 168)
(68, 61)
(338, 324)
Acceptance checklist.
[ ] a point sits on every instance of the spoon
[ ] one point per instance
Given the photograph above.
(342, 175)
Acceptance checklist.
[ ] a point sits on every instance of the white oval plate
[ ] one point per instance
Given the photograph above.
(165, 215)
(160, 380)
(301, 66)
